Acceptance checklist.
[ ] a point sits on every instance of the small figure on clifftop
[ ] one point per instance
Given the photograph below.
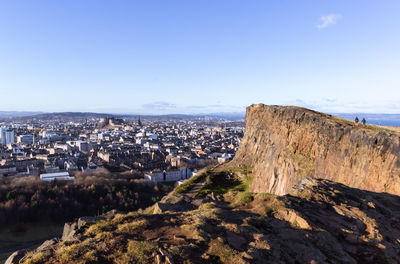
(356, 121)
(364, 121)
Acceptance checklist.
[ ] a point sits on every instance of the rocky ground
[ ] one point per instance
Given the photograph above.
(322, 222)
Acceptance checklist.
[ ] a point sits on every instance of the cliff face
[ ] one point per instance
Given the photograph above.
(287, 144)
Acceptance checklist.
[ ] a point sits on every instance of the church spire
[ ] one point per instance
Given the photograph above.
(139, 122)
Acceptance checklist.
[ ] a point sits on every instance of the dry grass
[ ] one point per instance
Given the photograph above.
(224, 252)
(130, 227)
(139, 252)
(40, 257)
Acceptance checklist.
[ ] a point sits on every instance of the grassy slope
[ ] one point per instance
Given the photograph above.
(232, 225)
(368, 128)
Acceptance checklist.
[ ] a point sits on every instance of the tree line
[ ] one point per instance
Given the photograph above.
(27, 199)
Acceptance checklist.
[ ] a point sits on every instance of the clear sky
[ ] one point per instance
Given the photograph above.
(199, 56)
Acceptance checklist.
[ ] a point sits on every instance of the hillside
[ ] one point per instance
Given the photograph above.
(221, 222)
(286, 144)
(283, 199)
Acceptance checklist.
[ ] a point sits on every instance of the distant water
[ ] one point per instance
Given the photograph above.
(383, 122)
(374, 119)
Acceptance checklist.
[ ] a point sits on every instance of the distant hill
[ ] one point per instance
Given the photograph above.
(9, 114)
(69, 115)
(89, 115)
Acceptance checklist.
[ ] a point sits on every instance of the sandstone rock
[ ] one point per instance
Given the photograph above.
(293, 218)
(89, 220)
(179, 238)
(174, 203)
(287, 144)
(165, 258)
(15, 257)
(46, 245)
(69, 230)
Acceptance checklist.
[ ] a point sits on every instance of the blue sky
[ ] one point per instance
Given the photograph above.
(195, 56)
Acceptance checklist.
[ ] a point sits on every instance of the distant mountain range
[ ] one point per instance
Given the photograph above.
(6, 115)
(17, 113)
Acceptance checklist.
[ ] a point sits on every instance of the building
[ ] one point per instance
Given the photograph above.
(69, 165)
(8, 169)
(79, 144)
(6, 136)
(58, 176)
(26, 139)
(168, 176)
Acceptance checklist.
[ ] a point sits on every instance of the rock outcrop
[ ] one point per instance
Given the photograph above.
(287, 144)
(324, 222)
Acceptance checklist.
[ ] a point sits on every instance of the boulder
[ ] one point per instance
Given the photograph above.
(15, 257)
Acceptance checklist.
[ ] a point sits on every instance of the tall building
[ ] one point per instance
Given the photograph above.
(6, 136)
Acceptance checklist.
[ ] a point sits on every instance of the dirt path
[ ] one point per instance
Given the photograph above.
(195, 188)
(198, 185)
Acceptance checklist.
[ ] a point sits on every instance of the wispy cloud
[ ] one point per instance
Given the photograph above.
(328, 20)
(159, 106)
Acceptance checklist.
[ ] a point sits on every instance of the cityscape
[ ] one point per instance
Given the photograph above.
(56, 150)
(209, 132)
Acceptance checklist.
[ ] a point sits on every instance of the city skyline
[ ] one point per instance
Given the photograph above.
(181, 57)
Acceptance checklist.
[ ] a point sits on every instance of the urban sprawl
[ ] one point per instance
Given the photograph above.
(160, 149)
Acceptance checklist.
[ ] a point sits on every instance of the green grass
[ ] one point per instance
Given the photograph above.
(242, 198)
(390, 130)
(189, 184)
(226, 181)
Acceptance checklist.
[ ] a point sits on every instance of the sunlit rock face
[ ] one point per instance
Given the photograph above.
(285, 144)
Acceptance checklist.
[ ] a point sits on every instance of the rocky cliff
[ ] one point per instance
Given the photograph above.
(287, 144)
